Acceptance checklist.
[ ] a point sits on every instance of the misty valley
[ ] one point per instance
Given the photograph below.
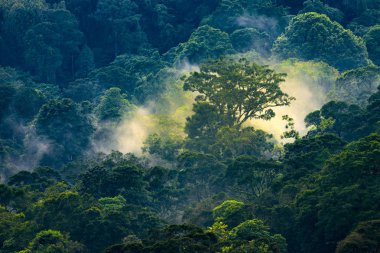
(189, 126)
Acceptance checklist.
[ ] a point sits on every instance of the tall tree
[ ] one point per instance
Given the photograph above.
(52, 46)
(122, 25)
(204, 43)
(313, 36)
(372, 40)
(320, 7)
(239, 90)
(113, 105)
(63, 122)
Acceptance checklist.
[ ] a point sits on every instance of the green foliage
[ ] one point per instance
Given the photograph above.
(313, 36)
(198, 170)
(203, 126)
(201, 213)
(19, 17)
(165, 148)
(231, 93)
(372, 38)
(350, 122)
(6, 98)
(319, 76)
(112, 215)
(15, 230)
(364, 237)
(51, 241)
(250, 230)
(51, 46)
(162, 186)
(361, 24)
(266, 16)
(347, 180)
(353, 160)
(84, 89)
(68, 65)
(62, 122)
(172, 239)
(220, 230)
(233, 142)
(124, 179)
(246, 39)
(373, 111)
(27, 102)
(111, 76)
(239, 91)
(249, 236)
(225, 15)
(113, 105)
(204, 43)
(121, 25)
(338, 118)
(250, 179)
(85, 62)
(39, 179)
(355, 7)
(319, 7)
(307, 155)
(18, 98)
(231, 213)
(357, 85)
(290, 132)
(141, 71)
(167, 23)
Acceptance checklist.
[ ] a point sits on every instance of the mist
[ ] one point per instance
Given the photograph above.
(260, 22)
(132, 132)
(165, 116)
(306, 101)
(36, 148)
(309, 83)
(33, 146)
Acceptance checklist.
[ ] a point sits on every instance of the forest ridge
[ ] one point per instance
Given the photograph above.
(189, 126)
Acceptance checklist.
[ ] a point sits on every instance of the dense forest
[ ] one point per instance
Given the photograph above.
(189, 126)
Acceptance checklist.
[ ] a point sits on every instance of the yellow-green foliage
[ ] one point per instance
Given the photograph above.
(313, 72)
(227, 209)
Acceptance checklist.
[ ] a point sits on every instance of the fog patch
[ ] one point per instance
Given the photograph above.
(260, 22)
(165, 116)
(309, 83)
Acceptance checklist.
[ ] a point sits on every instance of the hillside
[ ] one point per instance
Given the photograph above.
(173, 126)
